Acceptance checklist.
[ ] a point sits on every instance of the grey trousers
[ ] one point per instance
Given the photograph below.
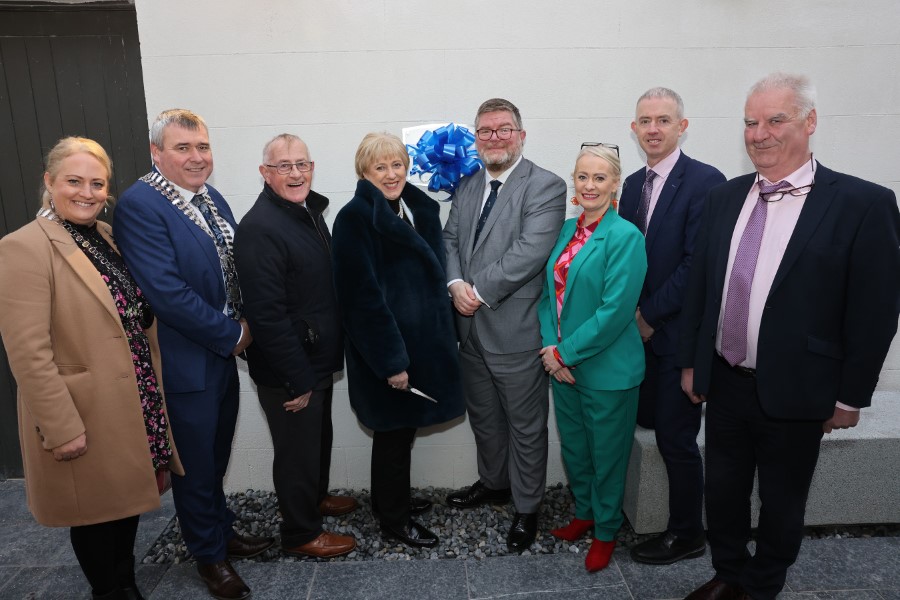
(508, 401)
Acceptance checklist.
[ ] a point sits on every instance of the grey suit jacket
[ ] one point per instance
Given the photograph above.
(506, 264)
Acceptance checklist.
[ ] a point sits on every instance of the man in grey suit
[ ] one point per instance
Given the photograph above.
(503, 223)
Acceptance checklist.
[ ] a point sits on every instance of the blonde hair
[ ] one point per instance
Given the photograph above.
(379, 145)
(607, 154)
(65, 148)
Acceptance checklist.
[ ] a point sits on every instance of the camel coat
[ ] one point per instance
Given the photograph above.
(72, 363)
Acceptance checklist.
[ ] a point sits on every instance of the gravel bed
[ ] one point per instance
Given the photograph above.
(476, 533)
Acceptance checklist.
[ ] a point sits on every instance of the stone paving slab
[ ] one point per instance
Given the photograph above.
(664, 581)
(36, 563)
(391, 580)
(553, 573)
(847, 564)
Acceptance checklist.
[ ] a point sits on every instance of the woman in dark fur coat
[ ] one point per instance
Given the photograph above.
(392, 292)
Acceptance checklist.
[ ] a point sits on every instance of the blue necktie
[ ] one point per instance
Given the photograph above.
(486, 211)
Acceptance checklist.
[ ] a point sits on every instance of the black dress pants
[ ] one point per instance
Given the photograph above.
(300, 470)
(741, 439)
(105, 552)
(391, 456)
(666, 409)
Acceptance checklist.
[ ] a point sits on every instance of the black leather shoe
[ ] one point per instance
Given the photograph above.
(522, 533)
(668, 548)
(222, 581)
(411, 534)
(419, 505)
(477, 495)
(716, 589)
(245, 546)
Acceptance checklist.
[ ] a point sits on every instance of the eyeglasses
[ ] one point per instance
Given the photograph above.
(286, 168)
(504, 133)
(601, 144)
(796, 191)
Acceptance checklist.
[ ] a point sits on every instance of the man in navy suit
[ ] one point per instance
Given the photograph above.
(791, 306)
(665, 201)
(175, 233)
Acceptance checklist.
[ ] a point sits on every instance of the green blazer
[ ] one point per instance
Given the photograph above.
(599, 334)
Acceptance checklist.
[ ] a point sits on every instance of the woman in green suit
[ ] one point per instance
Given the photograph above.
(592, 349)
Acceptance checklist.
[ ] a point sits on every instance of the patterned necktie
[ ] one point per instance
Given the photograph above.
(644, 207)
(233, 305)
(737, 304)
(486, 211)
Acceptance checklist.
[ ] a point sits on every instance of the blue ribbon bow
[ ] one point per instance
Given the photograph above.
(446, 154)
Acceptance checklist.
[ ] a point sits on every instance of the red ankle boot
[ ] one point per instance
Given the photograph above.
(574, 531)
(598, 556)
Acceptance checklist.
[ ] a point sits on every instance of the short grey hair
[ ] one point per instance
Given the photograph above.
(175, 116)
(287, 138)
(804, 90)
(499, 104)
(666, 93)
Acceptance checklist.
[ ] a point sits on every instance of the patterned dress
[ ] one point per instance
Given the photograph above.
(136, 315)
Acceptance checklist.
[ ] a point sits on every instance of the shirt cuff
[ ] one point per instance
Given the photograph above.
(480, 299)
(846, 407)
(452, 281)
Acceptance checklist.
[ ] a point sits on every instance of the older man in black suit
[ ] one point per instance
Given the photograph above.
(791, 307)
(283, 255)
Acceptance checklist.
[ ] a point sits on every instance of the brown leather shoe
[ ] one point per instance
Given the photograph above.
(716, 589)
(335, 506)
(327, 545)
(245, 546)
(222, 581)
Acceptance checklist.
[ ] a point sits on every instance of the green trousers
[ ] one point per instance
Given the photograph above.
(596, 431)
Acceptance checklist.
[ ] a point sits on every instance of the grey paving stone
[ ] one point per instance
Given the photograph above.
(268, 581)
(391, 580)
(26, 543)
(6, 575)
(664, 581)
(149, 576)
(839, 595)
(496, 577)
(152, 525)
(846, 564)
(612, 592)
(48, 583)
(13, 506)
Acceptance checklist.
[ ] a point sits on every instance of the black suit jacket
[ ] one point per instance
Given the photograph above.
(833, 307)
(670, 242)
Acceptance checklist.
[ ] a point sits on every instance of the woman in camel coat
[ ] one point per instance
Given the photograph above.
(83, 351)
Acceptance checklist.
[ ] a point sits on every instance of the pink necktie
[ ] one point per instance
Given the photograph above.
(644, 207)
(737, 304)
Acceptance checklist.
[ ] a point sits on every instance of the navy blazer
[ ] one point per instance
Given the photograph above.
(176, 264)
(832, 311)
(670, 242)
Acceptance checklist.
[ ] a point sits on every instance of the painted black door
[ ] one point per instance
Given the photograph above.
(64, 70)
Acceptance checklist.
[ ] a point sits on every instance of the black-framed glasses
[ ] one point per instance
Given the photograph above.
(285, 168)
(795, 191)
(602, 145)
(504, 133)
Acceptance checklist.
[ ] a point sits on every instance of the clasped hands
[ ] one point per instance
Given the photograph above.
(559, 372)
(464, 299)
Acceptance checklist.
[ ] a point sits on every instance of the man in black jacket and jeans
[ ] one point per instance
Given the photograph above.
(283, 257)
